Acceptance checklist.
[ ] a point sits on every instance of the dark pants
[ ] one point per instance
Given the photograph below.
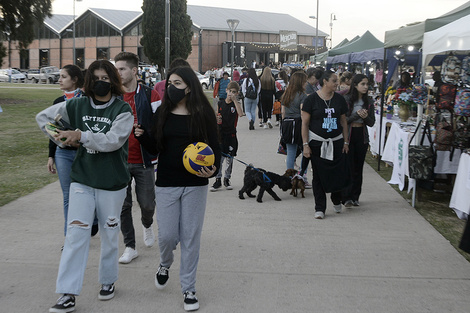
(318, 191)
(144, 178)
(260, 111)
(356, 157)
(267, 107)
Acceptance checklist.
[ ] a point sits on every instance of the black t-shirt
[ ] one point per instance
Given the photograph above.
(325, 118)
(170, 168)
(229, 114)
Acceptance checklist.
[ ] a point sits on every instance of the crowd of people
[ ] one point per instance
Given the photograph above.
(111, 130)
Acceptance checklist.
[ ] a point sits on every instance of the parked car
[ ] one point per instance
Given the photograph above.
(49, 74)
(16, 76)
(203, 79)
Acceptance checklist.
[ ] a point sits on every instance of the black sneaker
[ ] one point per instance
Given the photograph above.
(106, 292)
(66, 303)
(217, 184)
(227, 184)
(190, 301)
(161, 277)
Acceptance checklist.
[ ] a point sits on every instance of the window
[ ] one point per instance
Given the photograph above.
(80, 57)
(43, 57)
(102, 54)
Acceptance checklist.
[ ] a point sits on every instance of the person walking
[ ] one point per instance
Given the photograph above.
(291, 126)
(359, 115)
(267, 92)
(223, 83)
(144, 102)
(185, 117)
(61, 158)
(228, 111)
(99, 175)
(324, 129)
(251, 102)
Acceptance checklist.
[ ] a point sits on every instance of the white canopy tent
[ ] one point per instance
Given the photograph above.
(454, 36)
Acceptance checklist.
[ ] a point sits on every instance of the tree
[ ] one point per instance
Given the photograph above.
(153, 29)
(18, 19)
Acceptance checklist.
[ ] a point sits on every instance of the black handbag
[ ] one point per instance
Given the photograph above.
(291, 130)
(422, 159)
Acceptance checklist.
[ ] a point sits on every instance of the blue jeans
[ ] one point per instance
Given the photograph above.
(63, 161)
(83, 201)
(291, 154)
(144, 178)
(180, 216)
(250, 109)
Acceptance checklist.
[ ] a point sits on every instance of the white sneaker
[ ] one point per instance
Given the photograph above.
(149, 236)
(128, 255)
(265, 126)
(277, 123)
(338, 208)
(270, 125)
(319, 215)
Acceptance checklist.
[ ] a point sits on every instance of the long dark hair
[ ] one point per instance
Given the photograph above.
(254, 78)
(296, 85)
(353, 93)
(111, 70)
(74, 72)
(201, 114)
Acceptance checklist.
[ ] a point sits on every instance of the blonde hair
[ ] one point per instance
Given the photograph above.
(267, 79)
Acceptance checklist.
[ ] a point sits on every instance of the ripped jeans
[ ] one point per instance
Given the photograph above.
(82, 203)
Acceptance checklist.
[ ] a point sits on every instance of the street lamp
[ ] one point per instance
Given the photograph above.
(232, 24)
(316, 31)
(74, 56)
(332, 18)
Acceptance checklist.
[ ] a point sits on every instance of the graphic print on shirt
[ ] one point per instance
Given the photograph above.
(329, 123)
(96, 124)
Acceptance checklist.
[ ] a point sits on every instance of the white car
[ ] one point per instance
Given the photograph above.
(203, 79)
(16, 76)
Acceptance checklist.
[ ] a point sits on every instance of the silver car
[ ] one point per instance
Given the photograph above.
(203, 79)
(16, 76)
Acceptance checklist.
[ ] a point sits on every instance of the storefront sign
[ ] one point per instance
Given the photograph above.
(287, 40)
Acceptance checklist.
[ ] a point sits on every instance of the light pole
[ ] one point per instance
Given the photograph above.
(167, 36)
(332, 18)
(316, 31)
(74, 53)
(233, 25)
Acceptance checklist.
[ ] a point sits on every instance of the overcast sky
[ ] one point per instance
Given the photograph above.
(354, 17)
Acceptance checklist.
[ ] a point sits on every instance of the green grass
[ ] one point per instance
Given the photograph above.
(23, 148)
(432, 205)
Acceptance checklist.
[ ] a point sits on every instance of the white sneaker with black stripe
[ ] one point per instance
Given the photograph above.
(106, 292)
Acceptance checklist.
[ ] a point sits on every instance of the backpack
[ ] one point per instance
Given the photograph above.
(462, 102)
(465, 73)
(446, 97)
(450, 70)
(419, 94)
(251, 92)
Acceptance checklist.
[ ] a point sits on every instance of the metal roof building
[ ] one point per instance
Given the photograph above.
(102, 33)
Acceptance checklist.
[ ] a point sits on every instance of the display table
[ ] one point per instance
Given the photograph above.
(460, 200)
(396, 152)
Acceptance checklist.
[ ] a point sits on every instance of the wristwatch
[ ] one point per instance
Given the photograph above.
(305, 143)
(346, 143)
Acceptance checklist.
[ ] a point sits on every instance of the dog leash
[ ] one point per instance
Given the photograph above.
(265, 177)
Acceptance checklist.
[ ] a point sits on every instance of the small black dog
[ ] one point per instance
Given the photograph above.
(265, 180)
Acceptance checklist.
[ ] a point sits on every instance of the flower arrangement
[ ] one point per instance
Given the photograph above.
(405, 99)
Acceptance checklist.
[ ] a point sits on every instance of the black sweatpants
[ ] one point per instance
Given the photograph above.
(356, 157)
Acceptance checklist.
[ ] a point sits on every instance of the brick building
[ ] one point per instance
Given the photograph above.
(102, 33)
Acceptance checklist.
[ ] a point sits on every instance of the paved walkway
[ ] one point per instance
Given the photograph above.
(269, 257)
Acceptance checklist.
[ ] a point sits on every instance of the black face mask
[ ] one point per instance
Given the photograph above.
(175, 94)
(101, 88)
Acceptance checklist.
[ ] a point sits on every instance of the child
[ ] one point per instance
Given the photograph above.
(228, 111)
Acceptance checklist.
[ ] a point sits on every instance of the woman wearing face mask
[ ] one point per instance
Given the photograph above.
(71, 82)
(359, 115)
(184, 117)
(99, 177)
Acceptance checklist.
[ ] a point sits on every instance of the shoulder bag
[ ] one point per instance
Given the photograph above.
(421, 159)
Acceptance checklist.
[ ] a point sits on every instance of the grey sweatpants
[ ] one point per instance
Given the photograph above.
(180, 216)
